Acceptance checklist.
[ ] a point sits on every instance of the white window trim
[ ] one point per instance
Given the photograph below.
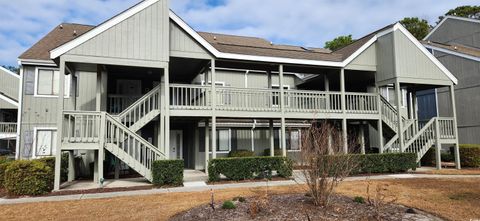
(222, 83)
(34, 147)
(299, 142)
(229, 141)
(35, 88)
(387, 95)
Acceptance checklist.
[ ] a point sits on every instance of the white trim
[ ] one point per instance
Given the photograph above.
(36, 62)
(9, 72)
(444, 50)
(450, 17)
(222, 83)
(9, 100)
(19, 113)
(426, 52)
(35, 87)
(57, 52)
(34, 147)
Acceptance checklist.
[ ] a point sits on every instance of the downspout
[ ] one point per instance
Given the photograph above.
(19, 112)
(246, 78)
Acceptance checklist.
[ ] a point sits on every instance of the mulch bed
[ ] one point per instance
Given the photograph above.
(300, 207)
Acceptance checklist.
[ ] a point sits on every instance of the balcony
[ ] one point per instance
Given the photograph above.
(8, 130)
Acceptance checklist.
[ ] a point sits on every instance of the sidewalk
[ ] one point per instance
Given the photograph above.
(298, 180)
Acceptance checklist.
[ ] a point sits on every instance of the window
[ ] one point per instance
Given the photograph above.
(389, 94)
(46, 83)
(224, 140)
(293, 139)
(45, 142)
(276, 96)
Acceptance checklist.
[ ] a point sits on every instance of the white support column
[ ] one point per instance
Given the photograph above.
(214, 104)
(362, 138)
(60, 108)
(455, 127)
(270, 121)
(207, 145)
(71, 166)
(415, 111)
(344, 108)
(438, 145)
(101, 149)
(326, 83)
(283, 140)
(398, 95)
(161, 127)
(380, 120)
(98, 98)
(167, 112)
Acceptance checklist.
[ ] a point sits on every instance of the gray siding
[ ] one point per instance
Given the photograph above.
(143, 36)
(6, 105)
(367, 60)
(385, 58)
(9, 85)
(87, 91)
(413, 65)
(183, 45)
(457, 31)
(253, 79)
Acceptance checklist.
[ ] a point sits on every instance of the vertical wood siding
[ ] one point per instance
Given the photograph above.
(385, 57)
(367, 60)
(143, 36)
(182, 42)
(457, 31)
(9, 85)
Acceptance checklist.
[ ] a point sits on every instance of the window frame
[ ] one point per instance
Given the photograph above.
(218, 139)
(386, 94)
(35, 136)
(68, 78)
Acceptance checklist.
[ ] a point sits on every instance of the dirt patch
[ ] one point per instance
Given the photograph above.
(300, 207)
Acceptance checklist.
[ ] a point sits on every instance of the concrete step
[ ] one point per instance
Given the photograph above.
(194, 176)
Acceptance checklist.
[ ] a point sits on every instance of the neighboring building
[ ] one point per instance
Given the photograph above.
(144, 86)
(455, 42)
(9, 95)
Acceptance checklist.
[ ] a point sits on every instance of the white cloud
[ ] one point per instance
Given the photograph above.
(303, 22)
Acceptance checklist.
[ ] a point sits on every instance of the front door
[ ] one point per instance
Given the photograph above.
(176, 144)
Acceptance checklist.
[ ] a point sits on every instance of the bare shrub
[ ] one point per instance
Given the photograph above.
(324, 162)
(261, 201)
(380, 199)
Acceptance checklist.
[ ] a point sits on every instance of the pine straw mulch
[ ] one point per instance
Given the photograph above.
(300, 207)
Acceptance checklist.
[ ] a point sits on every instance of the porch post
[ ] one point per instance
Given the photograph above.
(71, 166)
(101, 149)
(438, 145)
(98, 98)
(455, 128)
(270, 121)
(161, 126)
(167, 111)
(60, 99)
(207, 144)
(362, 138)
(282, 110)
(398, 95)
(415, 110)
(214, 103)
(326, 83)
(380, 120)
(344, 110)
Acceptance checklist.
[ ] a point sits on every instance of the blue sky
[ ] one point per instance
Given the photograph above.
(298, 22)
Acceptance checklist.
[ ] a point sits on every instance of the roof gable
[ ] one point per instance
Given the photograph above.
(456, 30)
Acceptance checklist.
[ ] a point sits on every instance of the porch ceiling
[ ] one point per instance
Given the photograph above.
(183, 70)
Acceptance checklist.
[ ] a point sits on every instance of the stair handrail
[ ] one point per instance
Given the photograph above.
(112, 119)
(421, 131)
(139, 101)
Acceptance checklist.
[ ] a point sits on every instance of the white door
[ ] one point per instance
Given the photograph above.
(176, 144)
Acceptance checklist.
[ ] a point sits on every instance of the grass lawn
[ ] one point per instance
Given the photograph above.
(456, 199)
(467, 171)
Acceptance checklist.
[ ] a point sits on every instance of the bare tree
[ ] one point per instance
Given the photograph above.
(324, 161)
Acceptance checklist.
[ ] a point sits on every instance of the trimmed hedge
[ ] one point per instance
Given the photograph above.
(241, 153)
(29, 177)
(4, 162)
(242, 168)
(276, 152)
(469, 155)
(167, 172)
(386, 162)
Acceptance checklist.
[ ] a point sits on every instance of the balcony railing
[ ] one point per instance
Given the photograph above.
(8, 128)
(118, 102)
(446, 127)
(196, 97)
(81, 127)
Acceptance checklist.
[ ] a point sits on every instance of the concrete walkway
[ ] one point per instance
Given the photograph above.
(298, 180)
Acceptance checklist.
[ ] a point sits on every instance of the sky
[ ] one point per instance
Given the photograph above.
(299, 22)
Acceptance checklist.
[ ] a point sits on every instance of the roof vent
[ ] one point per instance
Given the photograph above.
(61, 26)
(74, 32)
(455, 47)
(271, 43)
(214, 37)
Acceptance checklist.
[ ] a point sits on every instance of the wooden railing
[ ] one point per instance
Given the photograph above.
(313, 101)
(141, 107)
(8, 127)
(423, 139)
(117, 103)
(362, 103)
(128, 142)
(81, 127)
(247, 99)
(389, 113)
(446, 127)
(187, 96)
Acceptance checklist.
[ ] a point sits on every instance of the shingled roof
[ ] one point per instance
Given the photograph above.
(455, 48)
(61, 34)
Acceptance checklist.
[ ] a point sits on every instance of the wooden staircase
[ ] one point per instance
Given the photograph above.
(142, 111)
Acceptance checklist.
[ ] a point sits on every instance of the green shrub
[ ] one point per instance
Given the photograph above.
(241, 153)
(276, 152)
(469, 155)
(359, 199)
(50, 161)
(386, 163)
(228, 205)
(4, 162)
(167, 172)
(241, 168)
(28, 177)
